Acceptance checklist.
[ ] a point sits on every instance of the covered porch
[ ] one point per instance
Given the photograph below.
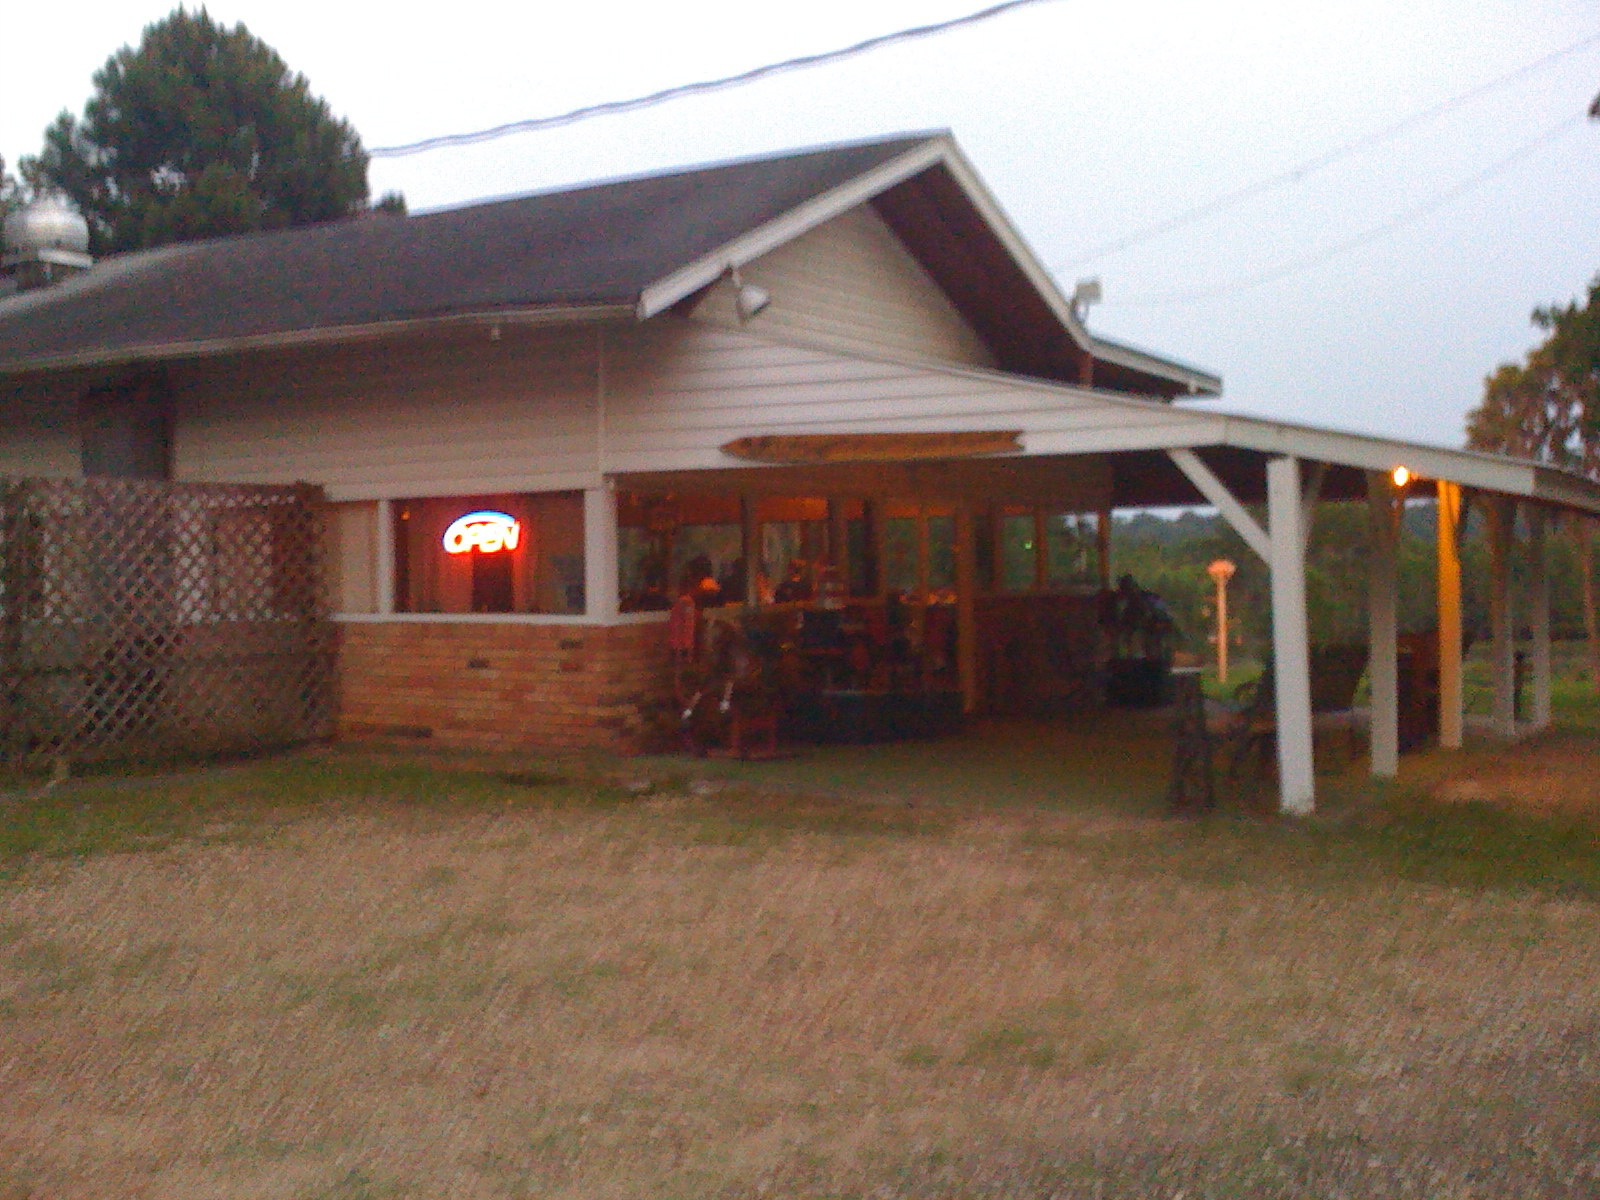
(994, 545)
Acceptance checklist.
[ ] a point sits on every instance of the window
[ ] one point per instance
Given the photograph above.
(519, 553)
(1018, 557)
(1072, 550)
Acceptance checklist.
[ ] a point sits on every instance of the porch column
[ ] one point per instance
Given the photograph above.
(1103, 543)
(1313, 499)
(966, 607)
(1291, 655)
(1502, 526)
(1449, 568)
(383, 559)
(1041, 560)
(1539, 618)
(838, 538)
(1382, 649)
(750, 547)
(600, 552)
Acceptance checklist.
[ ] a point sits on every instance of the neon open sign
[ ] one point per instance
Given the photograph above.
(488, 532)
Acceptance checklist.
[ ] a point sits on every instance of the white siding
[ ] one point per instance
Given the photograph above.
(546, 410)
(430, 417)
(676, 391)
(851, 285)
(39, 431)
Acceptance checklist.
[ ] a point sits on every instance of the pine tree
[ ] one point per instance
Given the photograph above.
(200, 130)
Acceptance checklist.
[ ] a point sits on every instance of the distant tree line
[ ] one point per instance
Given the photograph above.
(1169, 555)
(1547, 407)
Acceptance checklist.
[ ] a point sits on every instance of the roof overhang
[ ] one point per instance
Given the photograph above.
(938, 151)
(322, 336)
(1357, 452)
(1135, 434)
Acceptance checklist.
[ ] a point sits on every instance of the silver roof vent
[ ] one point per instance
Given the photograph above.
(46, 241)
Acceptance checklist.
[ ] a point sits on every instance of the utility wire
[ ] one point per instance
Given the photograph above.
(613, 107)
(1398, 221)
(1297, 173)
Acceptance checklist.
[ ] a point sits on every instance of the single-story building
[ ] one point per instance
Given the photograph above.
(531, 416)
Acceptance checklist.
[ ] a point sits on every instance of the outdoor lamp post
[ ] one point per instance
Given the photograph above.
(1221, 571)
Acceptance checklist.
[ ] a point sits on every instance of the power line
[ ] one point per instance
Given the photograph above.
(1297, 173)
(614, 107)
(1398, 221)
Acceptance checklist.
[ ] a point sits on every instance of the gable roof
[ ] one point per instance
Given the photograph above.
(640, 244)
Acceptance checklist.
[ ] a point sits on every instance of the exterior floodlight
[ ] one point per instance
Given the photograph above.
(749, 300)
(1401, 476)
(1086, 293)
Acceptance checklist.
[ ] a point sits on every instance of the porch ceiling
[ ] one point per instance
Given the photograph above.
(1133, 479)
(1150, 479)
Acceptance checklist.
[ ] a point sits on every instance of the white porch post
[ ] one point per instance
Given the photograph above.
(1313, 498)
(1502, 532)
(600, 552)
(1539, 618)
(383, 559)
(1383, 651)
(1291, 655)
(1449, 568)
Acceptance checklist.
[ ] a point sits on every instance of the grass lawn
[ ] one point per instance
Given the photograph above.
(348, 973)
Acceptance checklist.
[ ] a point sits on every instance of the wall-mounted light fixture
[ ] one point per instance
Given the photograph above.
(1401, 478)
(749, 299)
(1088, 291)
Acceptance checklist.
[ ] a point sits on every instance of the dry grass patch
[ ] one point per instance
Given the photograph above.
(1553, 775)
(412, 983)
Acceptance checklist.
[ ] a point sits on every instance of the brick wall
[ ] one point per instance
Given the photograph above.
(502, 686)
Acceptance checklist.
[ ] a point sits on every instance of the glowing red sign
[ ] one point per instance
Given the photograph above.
(489, 532)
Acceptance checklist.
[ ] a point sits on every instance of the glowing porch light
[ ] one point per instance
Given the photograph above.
(1401, 476)
(487, 532)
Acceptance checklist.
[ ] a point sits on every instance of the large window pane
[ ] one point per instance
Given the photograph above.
(490, 554)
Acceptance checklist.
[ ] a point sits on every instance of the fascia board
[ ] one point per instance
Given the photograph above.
(332, 335)
(1123, 356)
(1199, 382)
(1466, 467)
(939, 149)
(706, 270)
(1184, 428)
(1564, 488)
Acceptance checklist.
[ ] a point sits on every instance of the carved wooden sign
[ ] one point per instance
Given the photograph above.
(872, 447)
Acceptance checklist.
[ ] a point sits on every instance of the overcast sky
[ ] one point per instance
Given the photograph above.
(1089, 121)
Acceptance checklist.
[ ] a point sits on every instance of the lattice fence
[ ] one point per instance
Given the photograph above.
(150, 619)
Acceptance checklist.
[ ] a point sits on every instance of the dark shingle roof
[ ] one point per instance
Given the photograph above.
(594, 245)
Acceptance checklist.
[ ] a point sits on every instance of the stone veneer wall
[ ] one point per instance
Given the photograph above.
(510, 686)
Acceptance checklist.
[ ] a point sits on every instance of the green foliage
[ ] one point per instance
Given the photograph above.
(201, 130)
(1547, 407)
(11, 194)
(1169, 556)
